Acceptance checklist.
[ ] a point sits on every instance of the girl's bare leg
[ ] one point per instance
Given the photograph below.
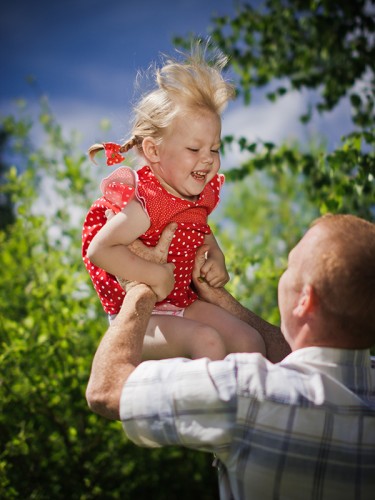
(173, 336)
(237, 335)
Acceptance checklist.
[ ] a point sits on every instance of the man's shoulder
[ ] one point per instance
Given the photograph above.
(309, 378)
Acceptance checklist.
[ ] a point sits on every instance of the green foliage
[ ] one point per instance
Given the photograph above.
(264, 216)
(341, 181)
(315, 44)
(51, 445)
(6, 209)
(324, 46)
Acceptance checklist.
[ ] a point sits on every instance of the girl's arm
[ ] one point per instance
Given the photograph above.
(109, 251)
(214, 270)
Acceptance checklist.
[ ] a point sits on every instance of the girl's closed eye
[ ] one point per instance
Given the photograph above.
(194, 150)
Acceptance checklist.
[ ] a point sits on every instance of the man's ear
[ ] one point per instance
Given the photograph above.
(150, 150)
(306, 302)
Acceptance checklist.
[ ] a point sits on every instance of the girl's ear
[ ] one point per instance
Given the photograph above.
(150, 149)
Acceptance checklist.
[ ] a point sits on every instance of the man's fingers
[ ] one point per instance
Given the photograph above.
(165, 240)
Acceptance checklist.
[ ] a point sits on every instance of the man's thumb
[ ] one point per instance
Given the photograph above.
(166, 238)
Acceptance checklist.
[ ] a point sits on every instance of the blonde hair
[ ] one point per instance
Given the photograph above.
(194, 84)
(343, 275)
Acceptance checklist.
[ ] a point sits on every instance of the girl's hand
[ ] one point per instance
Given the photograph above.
(157, 254)
(201, 286)
(214, 271)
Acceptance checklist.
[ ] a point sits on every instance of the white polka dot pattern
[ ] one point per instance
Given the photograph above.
(162, 207)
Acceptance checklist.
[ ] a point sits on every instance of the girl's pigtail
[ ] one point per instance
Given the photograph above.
(112, 150)
(129, 144)
(93, 150)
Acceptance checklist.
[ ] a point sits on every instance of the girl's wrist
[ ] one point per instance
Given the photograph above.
(158, 275)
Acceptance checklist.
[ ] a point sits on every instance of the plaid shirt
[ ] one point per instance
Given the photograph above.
(300, 429)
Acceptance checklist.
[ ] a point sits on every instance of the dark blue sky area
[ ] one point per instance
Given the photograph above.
(85, 54)
(90, 48)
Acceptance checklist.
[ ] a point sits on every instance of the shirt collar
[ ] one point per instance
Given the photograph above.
(330, 356)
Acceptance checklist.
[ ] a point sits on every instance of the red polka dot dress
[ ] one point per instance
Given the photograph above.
(162, 208)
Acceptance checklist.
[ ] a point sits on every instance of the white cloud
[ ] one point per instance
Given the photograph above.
(265, 120)
(279, 122)
(262, 120)
(75, 115)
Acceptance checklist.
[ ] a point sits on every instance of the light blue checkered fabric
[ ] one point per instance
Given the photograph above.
(301, 429)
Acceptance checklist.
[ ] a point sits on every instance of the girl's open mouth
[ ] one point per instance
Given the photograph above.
(199, 175)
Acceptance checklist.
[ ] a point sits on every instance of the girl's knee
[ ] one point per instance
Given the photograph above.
(208, 343)
(249, 340)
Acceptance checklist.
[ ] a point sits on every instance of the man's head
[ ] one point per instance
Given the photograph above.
(327, 293)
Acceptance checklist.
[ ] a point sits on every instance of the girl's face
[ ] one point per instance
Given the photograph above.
(188, 157)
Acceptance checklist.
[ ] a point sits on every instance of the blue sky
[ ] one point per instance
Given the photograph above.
(84, 55)
(92, 48)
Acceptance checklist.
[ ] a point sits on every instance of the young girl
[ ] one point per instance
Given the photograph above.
(176, 131)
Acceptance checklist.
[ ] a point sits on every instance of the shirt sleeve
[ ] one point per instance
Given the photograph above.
(181, 402)
(119, 188)
(215, 186)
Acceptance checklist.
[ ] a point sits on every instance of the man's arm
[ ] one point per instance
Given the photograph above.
(276, 345)
(120, 350)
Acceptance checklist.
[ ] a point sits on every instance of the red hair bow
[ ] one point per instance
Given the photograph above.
(112, 152)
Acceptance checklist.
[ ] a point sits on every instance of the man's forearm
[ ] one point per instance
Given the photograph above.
(276, 346)
(119, 352)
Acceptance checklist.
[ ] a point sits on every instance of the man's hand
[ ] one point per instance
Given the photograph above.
(159, 253)
(120, 350)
